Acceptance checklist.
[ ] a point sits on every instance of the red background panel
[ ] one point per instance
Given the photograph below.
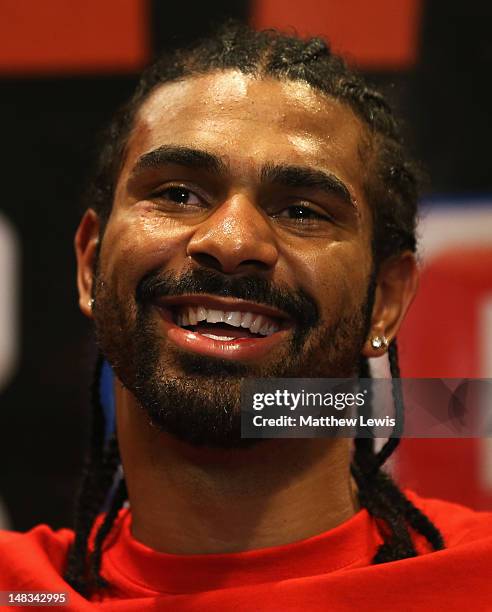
(70, 36)
(375, 34)
(441, 337)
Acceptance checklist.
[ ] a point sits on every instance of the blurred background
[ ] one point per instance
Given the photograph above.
(66, 65)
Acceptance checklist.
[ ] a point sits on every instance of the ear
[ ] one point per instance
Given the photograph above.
(86, 243)
(397, 283)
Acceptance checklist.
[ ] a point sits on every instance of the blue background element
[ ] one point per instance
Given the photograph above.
(107, 399)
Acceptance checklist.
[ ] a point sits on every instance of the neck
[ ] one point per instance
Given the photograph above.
(187, 500)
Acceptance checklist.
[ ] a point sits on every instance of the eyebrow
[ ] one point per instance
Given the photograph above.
(301, 177)
(181, 156)
(307, 178)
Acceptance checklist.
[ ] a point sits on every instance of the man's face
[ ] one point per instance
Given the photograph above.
(241, 201)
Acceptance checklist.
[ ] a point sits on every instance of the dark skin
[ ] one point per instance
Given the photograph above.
(239, 219)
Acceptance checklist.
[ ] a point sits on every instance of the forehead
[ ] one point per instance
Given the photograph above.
(251, 121)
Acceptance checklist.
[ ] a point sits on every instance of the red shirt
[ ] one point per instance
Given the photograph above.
(331, 571)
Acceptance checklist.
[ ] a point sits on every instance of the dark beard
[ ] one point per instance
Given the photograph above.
(203, 406)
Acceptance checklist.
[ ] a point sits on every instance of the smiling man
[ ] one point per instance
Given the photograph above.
(254, 216)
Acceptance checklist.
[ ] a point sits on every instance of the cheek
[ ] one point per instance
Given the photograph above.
(134, 245)
(336, 275)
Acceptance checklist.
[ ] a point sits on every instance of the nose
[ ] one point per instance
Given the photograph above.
(236, 238)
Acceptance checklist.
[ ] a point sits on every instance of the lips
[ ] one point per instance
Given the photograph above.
(223, 327)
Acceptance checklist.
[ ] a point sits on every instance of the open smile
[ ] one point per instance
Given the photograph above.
(227, 328)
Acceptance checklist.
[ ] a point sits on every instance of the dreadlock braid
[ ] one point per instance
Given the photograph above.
(391, 188)
(88, 504)
(392, 443)
(372, 496)
(117, 502)
(379, 494)
(372, 484)
(366, 443)
(97, 479)
(415, 517)
(95, 493)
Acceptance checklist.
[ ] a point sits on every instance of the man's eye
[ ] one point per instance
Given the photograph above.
(302, 214)
(179, 195)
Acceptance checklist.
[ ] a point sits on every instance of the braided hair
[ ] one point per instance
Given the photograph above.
(392, 193)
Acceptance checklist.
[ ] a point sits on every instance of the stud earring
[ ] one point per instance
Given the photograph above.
(91, 303)
(379, 342)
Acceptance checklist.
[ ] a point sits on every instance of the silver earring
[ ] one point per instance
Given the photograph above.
(91, 303)
(379, 342)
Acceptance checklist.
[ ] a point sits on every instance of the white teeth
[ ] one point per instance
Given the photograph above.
(223, 338)
(256, 325)
(215, 316)
(233, 318)
(201, 314)
(247, 320)
(264, 330)
(192, 316)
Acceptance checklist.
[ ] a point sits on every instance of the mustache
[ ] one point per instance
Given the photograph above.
(296, 303)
